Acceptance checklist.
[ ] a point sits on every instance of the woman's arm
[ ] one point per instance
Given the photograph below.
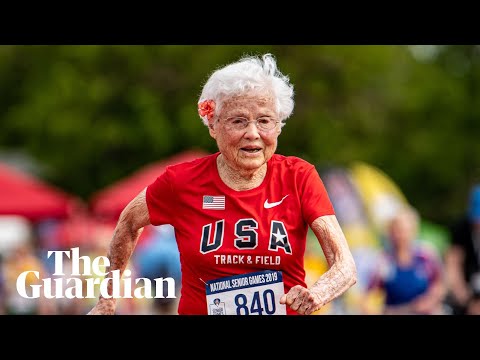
(341, 275)
(125, 236)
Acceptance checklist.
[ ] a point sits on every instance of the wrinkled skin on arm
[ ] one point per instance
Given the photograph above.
(341, 275)
(125, 236)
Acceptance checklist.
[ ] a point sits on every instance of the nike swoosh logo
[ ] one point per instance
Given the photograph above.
(268, 205)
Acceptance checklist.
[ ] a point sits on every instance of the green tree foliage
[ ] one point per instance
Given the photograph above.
(93, 114)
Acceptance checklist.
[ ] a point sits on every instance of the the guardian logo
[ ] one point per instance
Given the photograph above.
(76, 287)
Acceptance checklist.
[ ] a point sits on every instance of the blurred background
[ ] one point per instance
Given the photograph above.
(83, 129)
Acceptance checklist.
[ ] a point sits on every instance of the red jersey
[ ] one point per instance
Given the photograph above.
(223, 232)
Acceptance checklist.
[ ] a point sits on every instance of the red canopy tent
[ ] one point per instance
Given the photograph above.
(108, 203)
(24, 195)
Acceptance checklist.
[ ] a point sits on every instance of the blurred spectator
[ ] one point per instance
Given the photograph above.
(21, 259)
(463, 260)
(2, 287)
(408, 274)
(158, 257)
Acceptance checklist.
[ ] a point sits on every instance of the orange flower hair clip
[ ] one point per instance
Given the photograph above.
(206, 108)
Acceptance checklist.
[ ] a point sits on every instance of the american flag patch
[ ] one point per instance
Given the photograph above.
(213, 202)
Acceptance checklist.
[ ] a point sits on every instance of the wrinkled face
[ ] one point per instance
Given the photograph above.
(250, 147)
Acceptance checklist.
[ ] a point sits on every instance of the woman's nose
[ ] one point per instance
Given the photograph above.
(251, 130)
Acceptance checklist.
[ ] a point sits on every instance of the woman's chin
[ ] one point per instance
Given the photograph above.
(251, 163)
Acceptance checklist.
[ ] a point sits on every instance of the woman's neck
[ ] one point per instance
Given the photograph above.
(404, 256)
(240, 179)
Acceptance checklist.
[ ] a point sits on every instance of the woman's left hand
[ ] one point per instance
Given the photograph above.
(302, 300)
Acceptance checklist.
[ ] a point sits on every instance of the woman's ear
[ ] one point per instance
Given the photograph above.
(212, 131)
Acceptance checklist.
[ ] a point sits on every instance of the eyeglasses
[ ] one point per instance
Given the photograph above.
(263, 123)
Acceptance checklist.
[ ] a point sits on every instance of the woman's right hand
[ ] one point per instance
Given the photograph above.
(104, 307)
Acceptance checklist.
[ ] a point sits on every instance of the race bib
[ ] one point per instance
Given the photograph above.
(255, 293)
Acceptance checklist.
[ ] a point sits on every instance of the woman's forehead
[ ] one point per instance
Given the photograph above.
(246, 100)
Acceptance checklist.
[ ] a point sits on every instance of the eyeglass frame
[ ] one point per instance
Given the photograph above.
(255, 121)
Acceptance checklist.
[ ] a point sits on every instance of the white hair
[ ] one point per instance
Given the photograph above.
(247, 74)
